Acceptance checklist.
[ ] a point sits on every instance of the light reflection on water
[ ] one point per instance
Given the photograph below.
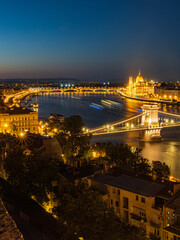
(168, 150)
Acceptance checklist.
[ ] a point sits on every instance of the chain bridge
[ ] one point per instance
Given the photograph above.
(149, 124)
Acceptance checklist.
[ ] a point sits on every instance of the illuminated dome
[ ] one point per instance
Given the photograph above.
(139, 78)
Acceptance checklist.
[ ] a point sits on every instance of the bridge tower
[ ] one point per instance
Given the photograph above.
(150, 121)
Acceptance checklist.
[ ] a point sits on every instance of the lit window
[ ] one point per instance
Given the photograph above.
(143, 200)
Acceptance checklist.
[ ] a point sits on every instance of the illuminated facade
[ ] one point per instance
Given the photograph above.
(143, 203)
(167, 94)
(16, 120)
(139, 87)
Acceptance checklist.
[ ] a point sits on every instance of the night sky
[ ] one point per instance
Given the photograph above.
(90, 39)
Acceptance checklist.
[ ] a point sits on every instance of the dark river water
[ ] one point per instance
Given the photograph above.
(167, 151)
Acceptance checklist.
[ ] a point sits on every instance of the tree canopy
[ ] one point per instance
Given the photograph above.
(72, 139)
(30, 174)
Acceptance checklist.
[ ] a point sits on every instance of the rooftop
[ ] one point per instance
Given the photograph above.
(173, 229)
(174, 203)
(132, 184)
(15, 110)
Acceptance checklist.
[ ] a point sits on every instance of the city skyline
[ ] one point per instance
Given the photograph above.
(90, 40)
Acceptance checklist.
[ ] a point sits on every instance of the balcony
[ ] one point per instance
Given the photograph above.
(154, 225)
(138, 218)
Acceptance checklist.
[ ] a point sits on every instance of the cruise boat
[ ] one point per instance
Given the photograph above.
(96, 106)
(76, 97)
(110, 103)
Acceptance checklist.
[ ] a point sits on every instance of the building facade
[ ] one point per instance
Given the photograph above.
(139, 202)
(139, 87)
(17, 120)
(167, 94)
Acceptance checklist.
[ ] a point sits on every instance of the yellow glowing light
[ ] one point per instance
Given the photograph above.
(107, 126)
(94, 154)
(55, 129)
(172, 121)
(132, 125)
(112, 128)
(21, 134)
(5, 125)
(127, 124)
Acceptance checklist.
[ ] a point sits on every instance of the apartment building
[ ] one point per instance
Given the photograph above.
(172, 218)
(138, 202)
(16, 120)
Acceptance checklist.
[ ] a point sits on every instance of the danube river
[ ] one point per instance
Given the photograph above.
(64, 103)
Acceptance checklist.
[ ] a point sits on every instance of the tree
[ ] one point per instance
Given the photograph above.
(30, 174)
(124, 156)
(72, 139)
(73, 124)
(160, 169)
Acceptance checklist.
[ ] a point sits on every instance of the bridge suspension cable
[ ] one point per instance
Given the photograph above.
(117, 123)
(170, 114)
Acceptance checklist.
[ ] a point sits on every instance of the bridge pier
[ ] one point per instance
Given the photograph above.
(151, 121)
(150, 135)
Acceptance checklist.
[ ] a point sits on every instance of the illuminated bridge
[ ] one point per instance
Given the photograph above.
(149, 124)
(15, 98)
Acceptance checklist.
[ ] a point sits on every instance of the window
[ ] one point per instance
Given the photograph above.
(111, 201)
(117, 204)
(114, 190)
(126, 216)
(137, 197)
(118, 192)
(143, 214)
(143, 200)
(125, 202)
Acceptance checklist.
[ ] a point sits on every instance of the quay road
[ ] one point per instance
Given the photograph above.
(147, 99)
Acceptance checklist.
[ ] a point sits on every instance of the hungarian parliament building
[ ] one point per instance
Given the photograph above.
(140, 87)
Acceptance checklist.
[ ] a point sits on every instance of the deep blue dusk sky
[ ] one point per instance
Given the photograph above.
(90, 39)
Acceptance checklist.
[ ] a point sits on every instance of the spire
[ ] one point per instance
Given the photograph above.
(139, 73)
